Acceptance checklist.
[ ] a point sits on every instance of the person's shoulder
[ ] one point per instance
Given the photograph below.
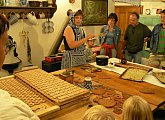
(68, 28)
(129, 27)
(158, 25)
(157, 28)
(141, 24)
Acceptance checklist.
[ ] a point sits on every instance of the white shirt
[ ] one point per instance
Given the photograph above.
(14, 109)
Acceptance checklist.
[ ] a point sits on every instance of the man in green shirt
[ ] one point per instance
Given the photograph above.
(157, 44)
(134, 37)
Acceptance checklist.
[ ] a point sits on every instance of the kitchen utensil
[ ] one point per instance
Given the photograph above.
(11, 66)
(13, 18)
(32, 18)
(46, 30)
(48, 26)
(23, 2)
(41, 15)
(50, 23)
(102, 60)
(51, 29)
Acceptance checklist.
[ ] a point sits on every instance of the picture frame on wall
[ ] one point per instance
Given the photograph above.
(95, 12)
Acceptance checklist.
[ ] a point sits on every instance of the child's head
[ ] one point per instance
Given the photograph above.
(136, 108)
(90, 43)
(98, 112)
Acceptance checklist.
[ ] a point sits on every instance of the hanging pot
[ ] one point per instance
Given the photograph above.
(102, 60)
(11, 66)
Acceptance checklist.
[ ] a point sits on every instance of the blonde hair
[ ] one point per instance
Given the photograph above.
(136, 108)
(98, 112)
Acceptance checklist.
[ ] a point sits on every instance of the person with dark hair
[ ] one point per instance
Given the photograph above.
(157, 43)
(69, 12)
(70, 15)
(4, 26)
(11, 108)
(109, 41)
(74, 39)
(135, 36)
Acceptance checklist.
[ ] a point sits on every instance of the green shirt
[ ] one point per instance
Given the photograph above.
(161, 44)
(134, 37)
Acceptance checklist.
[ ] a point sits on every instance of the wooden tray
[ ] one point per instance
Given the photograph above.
(134, 73)
(38, 102)
(51, 86)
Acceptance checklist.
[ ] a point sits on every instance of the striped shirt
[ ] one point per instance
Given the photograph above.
(161, 45)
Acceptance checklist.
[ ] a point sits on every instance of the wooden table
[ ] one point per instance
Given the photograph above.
(115, 82)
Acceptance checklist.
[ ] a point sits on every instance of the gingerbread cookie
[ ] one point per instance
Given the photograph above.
(119, 104)
(117, 97)
(106, 95)
(111, 92)
(117, 110)
(96, 99)
(107, 102)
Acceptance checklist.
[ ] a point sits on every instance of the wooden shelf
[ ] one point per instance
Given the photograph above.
(49, 11)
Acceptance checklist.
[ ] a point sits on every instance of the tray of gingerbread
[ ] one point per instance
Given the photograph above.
(160, 76)
(38, 102)
(134, 73)
(54, 88)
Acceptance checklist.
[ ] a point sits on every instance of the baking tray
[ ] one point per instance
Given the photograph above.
(38, 102)
(56, 89)
(134, 74)
(160, 76)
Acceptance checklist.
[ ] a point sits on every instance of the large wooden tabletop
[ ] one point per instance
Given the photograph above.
(115, 82)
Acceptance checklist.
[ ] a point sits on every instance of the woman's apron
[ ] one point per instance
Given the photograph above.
(75, 57)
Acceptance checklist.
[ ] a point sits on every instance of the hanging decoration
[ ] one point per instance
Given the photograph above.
(26, 41)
